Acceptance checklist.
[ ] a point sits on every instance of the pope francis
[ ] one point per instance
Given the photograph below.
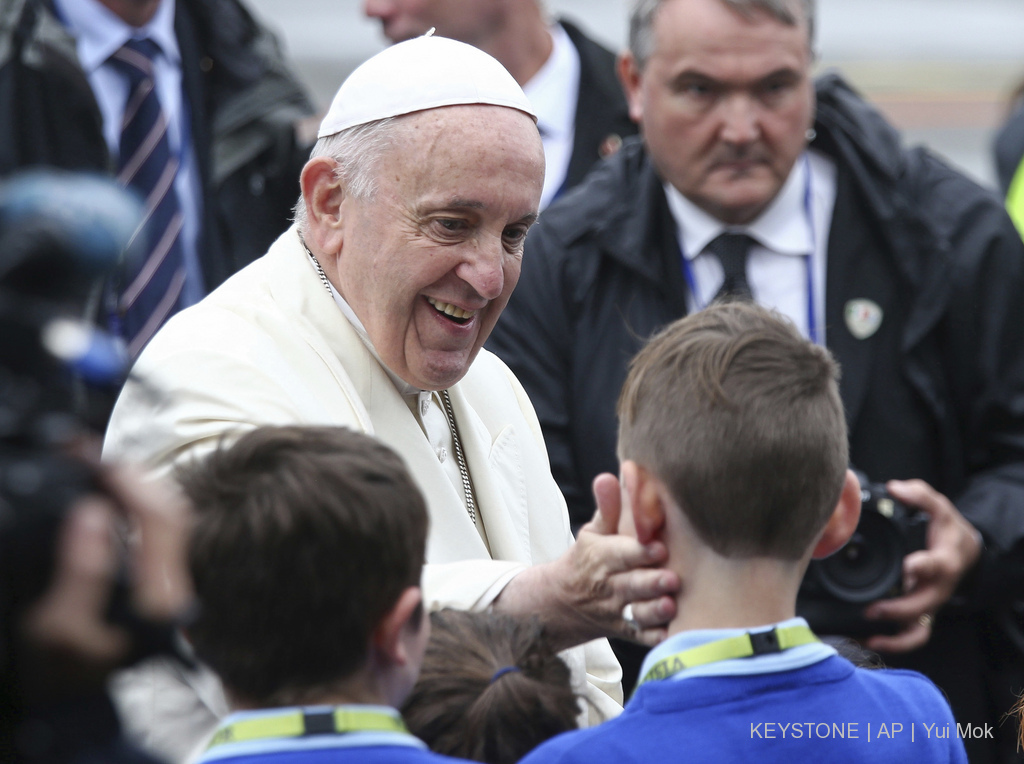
(371, 313)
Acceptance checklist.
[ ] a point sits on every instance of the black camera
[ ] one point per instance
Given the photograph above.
(836, 589)
(60, 235)
(63, 235)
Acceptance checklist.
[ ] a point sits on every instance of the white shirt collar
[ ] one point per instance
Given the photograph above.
(553, 90)
(784, 226)
(100, 32)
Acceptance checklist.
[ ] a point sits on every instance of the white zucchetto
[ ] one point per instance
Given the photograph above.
(423, 73)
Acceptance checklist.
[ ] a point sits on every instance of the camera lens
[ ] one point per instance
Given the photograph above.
(869, 566)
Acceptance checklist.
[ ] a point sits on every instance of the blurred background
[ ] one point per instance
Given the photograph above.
(941, 70)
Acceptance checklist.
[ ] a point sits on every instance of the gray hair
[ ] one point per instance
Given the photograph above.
(356, 152)
(641, 20)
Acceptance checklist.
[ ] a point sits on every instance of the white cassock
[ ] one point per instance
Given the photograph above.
(271, 347)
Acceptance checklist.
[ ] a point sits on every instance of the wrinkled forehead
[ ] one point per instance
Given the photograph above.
(470, 127)
(465, 146)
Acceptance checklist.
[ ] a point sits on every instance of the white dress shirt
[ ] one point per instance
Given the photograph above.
(791, 237)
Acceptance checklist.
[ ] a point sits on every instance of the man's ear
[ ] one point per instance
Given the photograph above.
(844, 519)
(323, 193)
(405, 618)
(644, 493)
(629, 76)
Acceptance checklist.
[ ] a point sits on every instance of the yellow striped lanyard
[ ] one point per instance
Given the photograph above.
(742, 646)
(298, 723)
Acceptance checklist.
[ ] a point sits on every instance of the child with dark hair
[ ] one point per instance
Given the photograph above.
(307, 553)
(491, 688)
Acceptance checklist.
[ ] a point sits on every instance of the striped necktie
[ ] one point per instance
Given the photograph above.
(731, 250)
(152, 287)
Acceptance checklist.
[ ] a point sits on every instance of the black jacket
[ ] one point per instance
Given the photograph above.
(937, 393)
(244, 103)
(602, 117)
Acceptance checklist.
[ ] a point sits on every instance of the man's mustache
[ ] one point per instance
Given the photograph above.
(730, 154)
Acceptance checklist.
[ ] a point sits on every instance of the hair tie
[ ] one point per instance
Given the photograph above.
(502, 671)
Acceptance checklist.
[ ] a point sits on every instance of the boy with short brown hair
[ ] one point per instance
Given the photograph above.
(733, 453)
(307, 554)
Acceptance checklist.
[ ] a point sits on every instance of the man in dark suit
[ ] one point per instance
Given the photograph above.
(909, 272)
(229, 109)
(569, 79)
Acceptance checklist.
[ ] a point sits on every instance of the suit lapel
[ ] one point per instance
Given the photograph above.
(586, 136)
(858, 281)
(602, 118)
(498, 481)
(643, 238)
(454, 535)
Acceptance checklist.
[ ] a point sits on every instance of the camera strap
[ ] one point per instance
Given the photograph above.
(299, 722)
(746, 645)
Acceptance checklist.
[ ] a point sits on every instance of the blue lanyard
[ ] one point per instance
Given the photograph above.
(812, 322)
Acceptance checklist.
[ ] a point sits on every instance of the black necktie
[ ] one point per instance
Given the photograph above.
(731, 250)
(153, 285)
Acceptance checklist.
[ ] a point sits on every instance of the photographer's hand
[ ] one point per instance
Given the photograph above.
(158, 517)
(931, 575)
(70, 645)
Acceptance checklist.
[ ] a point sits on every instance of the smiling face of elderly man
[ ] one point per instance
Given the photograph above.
(428, 260)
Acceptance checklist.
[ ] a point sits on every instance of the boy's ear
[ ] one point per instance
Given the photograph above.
(844, 519)
(405, 617)
(646, 505)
